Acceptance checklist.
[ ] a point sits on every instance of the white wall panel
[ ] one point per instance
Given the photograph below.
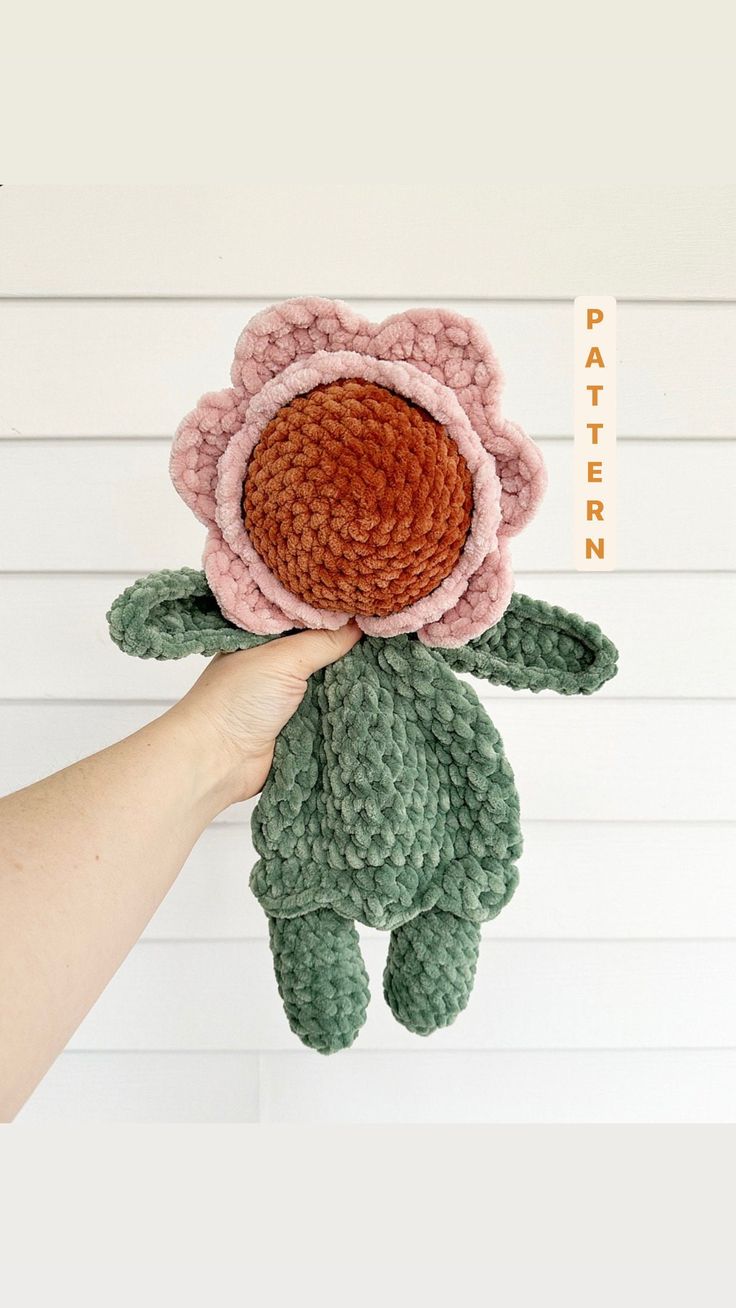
(579, 880)
(135, 368)
(147, 1087)
(527, 995)
(682, 643)
(669, 242)
(573, 758)
(606, 989)
(71, 505)
(571, 1086)
(677, 1086)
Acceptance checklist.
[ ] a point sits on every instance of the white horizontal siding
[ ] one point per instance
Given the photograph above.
(574, 758)
(633, 1085)
(691, 625)
(606, 989)
(540, 994)
(564, 1086)
(148, 1087)
(485, 240)
(90, 368)
(579, 881)
(79, 505)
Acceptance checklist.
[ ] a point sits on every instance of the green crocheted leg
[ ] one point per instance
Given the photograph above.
(430, 970)
(321, 977)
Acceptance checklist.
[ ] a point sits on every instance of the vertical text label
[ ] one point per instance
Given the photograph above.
(595, 434)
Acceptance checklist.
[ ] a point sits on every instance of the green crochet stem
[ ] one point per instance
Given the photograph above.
(390, 800)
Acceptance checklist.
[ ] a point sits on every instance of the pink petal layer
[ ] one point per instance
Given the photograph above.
(440, 344)
(448, 346)
(484, 602)
(199, 442)
(243, 602)
(406, 380)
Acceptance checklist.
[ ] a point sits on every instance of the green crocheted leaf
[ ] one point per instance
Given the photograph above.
(168, 615)
(537, 646)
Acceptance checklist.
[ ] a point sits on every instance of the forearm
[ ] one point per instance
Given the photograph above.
(86, 856)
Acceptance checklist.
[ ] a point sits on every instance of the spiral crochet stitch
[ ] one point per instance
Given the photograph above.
(357, 500)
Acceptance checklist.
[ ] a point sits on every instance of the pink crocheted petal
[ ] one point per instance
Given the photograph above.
(235, 583)
(301, 377)
(198, 444)
(483, 603)
(456, 351)
(520, 466)
(238, 595)
(295, 330)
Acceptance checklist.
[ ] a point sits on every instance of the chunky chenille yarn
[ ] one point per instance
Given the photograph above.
(435, 361)
(357, 500)
(365, 470)
(390, 800)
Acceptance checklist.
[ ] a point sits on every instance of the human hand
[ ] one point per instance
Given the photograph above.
(241, 701)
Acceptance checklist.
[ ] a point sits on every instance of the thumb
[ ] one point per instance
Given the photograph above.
(310, 650)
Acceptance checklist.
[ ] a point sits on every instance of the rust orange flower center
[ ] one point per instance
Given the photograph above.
(357, 500)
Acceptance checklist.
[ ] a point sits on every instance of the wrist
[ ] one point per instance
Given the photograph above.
(214, 774)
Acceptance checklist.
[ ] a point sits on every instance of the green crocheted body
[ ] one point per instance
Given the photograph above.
(390, 801)
(389, 795)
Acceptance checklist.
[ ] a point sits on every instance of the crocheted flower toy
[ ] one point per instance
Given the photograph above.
(362, 470)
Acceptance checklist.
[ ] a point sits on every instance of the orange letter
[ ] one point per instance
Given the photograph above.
(594, 392)
(595, 510)
(594, 427)
(595, 471)
(595, 357)
(591, 548)
(594, 316)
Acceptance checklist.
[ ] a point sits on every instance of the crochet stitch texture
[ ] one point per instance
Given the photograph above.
(360, 469)
(357, 500)
(390, 800)
(431, 358)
